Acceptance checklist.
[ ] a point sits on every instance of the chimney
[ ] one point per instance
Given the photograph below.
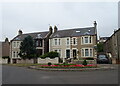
(55, 28)
(20, 32)
(50, 29)
(6, 40)
(95, 25)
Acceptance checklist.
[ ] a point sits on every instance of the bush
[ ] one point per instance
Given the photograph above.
(51, 55)
(84, 62)
(60, 60)
(49, 63)
(5, 57)
(89, 58)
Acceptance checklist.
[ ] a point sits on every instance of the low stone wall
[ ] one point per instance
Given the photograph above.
(81, 61)
(46, 60)
(28, 61)
(3, 61)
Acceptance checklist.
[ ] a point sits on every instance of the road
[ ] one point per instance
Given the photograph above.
(21, 75)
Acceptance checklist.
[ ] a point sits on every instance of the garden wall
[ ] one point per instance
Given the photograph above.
(81, 61)
(28, 61)
(3, 61)
(46, 60)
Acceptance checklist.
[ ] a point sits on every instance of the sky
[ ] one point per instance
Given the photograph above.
(37, 16)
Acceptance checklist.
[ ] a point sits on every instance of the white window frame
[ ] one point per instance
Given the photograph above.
(17, 44)
(14, 44)
(89, 52)
(67, 41)
(83, 40)
(55, 41)
(73, 41)
(59, 41)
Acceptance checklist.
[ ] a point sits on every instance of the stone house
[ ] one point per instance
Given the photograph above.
(6, 48)
(41, 41)
(77, 43)
(112, 46)
(5, 51)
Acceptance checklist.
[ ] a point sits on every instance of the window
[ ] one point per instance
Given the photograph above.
(82, 52)
(91, 52)
(37, 43)
(17, 54)
(67, 41)
(59, 41)
(59, 53)
(74, 40)
(55, 41)
(90, 40)
(74, 54)
(13, 54)
(55, 50)
(87, 52)
(67, 53)
(17, 44)
(86, 40)
(40, 43)
(14, 44)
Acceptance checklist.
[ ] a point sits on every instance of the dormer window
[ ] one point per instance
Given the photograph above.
(77, 31)
(39, 36)
(86, 33)
(56, 35)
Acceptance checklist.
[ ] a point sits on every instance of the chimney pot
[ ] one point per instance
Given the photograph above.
(20, 32)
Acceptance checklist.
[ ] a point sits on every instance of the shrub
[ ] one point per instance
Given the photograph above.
(84, 62)
(49, 63)
(60, 60)
(89, 58)
(50, 55)
(5, 57)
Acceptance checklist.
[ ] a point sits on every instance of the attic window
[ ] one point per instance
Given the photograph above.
(39, 36)
(17, 38)
(86, 33)
(77, 31)
(56, 35)
(89, 30)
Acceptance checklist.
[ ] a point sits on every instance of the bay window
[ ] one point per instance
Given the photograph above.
(87, 52)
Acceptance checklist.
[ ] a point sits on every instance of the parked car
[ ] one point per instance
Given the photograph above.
(102, 58)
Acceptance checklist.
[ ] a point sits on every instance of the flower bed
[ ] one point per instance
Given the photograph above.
(68, 66)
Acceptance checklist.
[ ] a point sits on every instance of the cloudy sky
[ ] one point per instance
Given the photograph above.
(37, 16)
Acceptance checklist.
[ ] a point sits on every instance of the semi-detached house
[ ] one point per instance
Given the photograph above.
(41, 41)
(77, 43)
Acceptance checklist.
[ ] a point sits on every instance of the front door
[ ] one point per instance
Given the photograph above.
(67, 53)
(74, 54)
(14, 61)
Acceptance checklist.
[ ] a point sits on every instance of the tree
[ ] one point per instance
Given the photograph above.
(100, 47)
(27, 48)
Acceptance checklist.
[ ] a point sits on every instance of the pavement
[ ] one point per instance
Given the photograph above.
(22, 75)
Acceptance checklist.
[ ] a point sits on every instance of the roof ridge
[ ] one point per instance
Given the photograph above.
(76, 28)
(34, 33)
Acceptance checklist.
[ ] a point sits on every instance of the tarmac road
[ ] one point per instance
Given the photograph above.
(22, 75)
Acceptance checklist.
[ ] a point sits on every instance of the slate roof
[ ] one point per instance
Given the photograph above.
(35, 35)
(74, 32)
